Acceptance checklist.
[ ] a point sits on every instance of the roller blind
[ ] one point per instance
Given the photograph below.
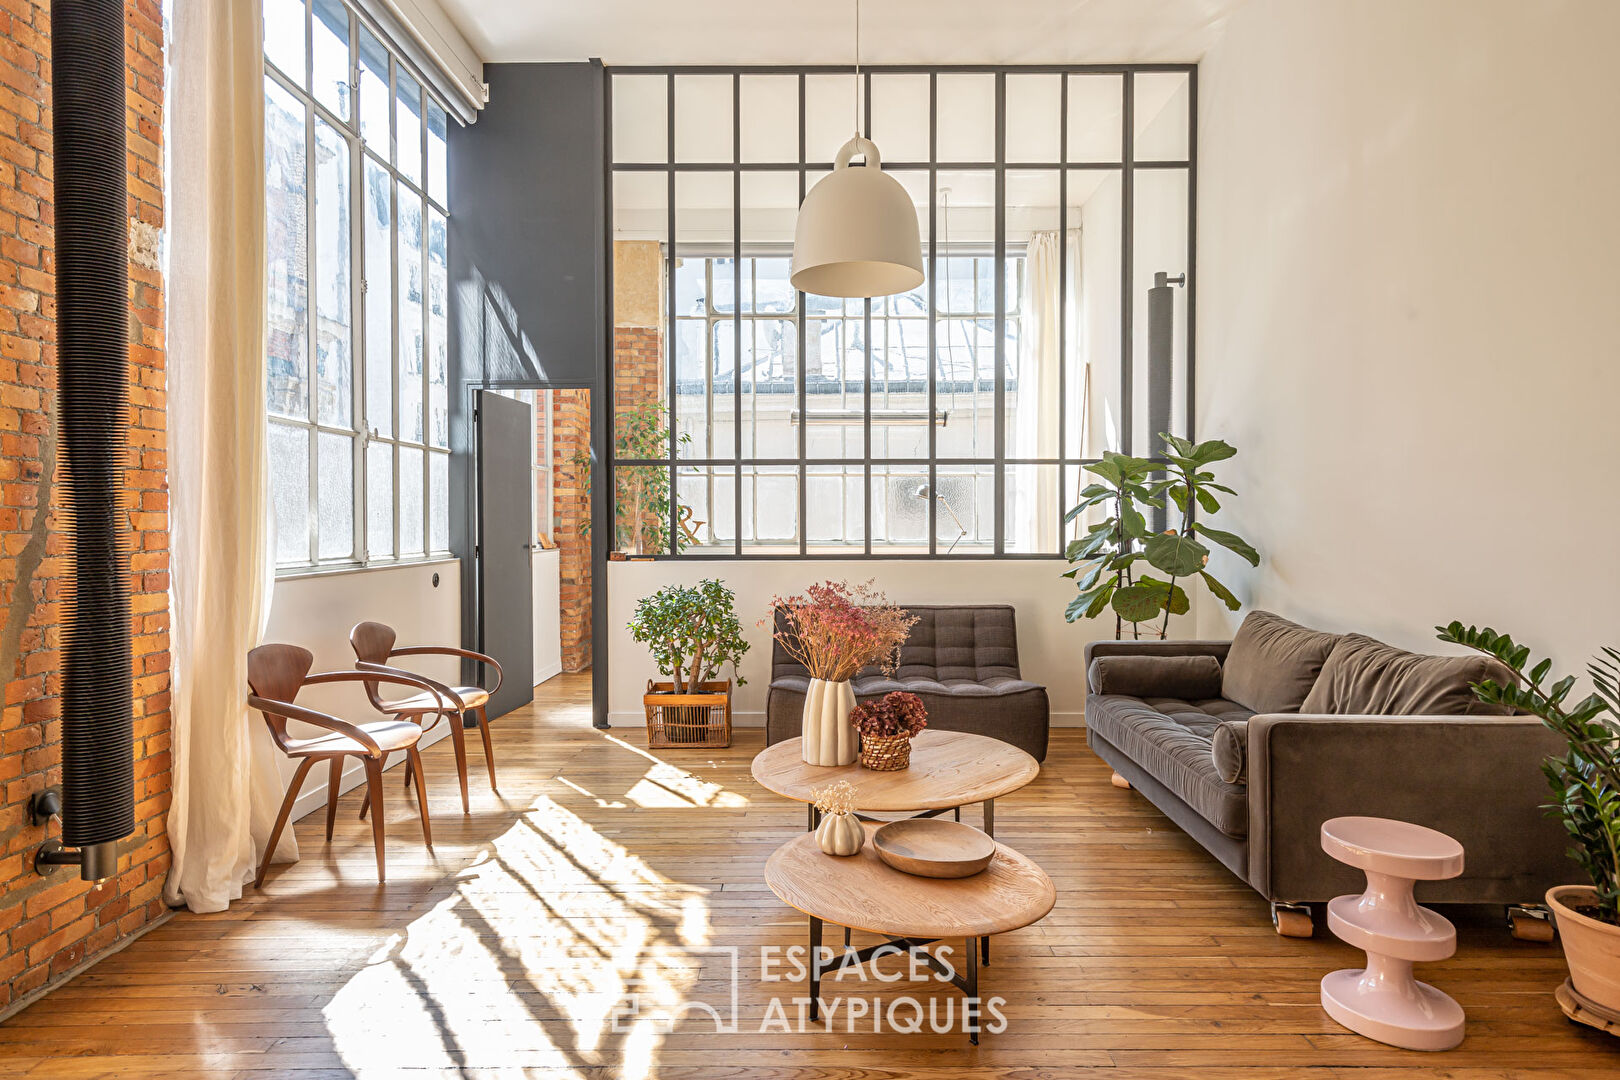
(461, 92)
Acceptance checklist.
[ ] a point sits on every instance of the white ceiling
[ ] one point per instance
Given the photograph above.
(821, 31)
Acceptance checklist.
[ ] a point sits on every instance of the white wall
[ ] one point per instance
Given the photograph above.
(1049, 649)
(317, 612)
(1407, 239)
(547, 614)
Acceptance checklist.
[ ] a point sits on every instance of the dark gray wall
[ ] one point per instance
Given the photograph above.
(528, 281)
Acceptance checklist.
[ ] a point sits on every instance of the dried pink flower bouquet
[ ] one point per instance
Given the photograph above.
(834, 629)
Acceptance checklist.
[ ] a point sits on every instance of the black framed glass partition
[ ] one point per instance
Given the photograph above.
(752, 420)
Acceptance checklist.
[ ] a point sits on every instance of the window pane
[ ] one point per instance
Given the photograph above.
(438, 159)
(410, 501)
(374, 94)
(379, 255)
(334, 498)
(438, 342)
(288, 449)
(380, 500)
(900, 117)
(834, 377)
(1161, 108)
(408, 125)
(964, 518)
(439, 474)
(1095, 117)
(1031, 516)
(835, 508)
(900, 507)
(706, 509)
(1092, 420)
(334, 328)
(330, 30)
(410, 314)
(967, 111)
(1033, 352)
(640, 118)
(829, 115)
(287, 243)
(770, 509)
(284, 37)
(770, 118)
(1034, 120)
(703, 118)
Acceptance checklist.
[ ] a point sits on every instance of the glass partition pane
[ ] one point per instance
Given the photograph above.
(1161, 107)
(640, 118)
(829, 116)
(1095, 118)
(1034, 118)
(770, 509)
(967, 112)
(703, 129)
(770, 118)
(1092, 420)
(900, 116)
(1159, 314)
(287, 226)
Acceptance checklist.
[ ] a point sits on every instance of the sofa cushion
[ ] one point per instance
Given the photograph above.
(948, 644)
(1364, 676)
(1229, 749)
(1274, 663)
(1170, 739)
(1184, 677)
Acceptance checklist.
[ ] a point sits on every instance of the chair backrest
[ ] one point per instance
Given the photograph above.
(971, 642)
(276, 672)
(372, 642)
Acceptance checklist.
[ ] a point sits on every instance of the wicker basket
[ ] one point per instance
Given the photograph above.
(886, 753)
(680, 720)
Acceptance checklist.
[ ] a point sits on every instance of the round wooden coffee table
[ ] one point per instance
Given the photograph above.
(863, 892)
(949, 770)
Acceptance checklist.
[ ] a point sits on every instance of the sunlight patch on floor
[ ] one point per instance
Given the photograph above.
(666, 787)
(533, 956)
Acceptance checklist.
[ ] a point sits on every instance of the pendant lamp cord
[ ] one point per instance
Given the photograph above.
(857, 68)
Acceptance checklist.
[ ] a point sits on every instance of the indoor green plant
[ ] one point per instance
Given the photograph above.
(1111, 551)
(1586, 796)
(641, 496)
(692, 632)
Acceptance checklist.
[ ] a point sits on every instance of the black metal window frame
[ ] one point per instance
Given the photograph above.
(361, 427)
(1126, 166)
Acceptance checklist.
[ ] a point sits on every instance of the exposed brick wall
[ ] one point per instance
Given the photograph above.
(571, 433)
(48, 926)
(638, 362)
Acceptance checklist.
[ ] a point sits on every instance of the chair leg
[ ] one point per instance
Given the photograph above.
(414, 761)
(281, 818)
(334, 776)
(365, 804)
(489, 748)
(410, 770)
(459, 738)
(375, 796)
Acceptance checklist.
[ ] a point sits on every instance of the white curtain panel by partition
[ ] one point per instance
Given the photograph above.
(1035, 411)
(226, 784)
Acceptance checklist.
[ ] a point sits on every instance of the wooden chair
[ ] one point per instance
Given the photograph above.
(275, 675)
(373, 644)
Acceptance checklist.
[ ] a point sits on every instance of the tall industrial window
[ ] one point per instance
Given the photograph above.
(357, 372)
(754, 420)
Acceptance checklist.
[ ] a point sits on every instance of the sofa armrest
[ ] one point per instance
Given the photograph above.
(1475, 778)
(1094, 649)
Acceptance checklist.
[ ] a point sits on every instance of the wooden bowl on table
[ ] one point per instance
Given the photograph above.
(929, 847)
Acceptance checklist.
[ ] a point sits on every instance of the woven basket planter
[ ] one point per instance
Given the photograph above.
(886, 753)
(700, 719)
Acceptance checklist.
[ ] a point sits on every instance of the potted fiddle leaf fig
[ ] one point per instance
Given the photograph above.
(1111, 574)
(1586, 798)
(693, 634)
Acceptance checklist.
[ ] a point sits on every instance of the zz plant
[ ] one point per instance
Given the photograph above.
(1586, 780)
(1110, 574)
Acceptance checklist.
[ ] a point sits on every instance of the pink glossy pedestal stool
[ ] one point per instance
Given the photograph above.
(1382, 1001)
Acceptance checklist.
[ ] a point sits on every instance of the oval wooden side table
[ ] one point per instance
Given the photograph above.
(1383, 1001)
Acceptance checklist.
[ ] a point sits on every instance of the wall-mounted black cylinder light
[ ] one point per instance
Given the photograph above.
(92, 336)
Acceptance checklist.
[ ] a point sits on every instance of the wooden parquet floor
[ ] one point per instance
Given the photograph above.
(555, 930)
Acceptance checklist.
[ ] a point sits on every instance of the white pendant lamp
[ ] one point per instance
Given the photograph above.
(857, 230)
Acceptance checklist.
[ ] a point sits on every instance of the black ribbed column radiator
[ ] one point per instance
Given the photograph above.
(92, 338)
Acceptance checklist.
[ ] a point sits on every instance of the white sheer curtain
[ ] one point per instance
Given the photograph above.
(1035, 412)
(226, 786)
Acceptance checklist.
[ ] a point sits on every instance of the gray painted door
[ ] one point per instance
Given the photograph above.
(505, 536)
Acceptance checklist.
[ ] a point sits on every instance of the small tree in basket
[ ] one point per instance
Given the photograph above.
(692, 632)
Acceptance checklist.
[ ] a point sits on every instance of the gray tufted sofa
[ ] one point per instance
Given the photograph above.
(961, 660)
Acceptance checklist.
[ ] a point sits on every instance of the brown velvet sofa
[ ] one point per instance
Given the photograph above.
(961, 660)
(1250, 745)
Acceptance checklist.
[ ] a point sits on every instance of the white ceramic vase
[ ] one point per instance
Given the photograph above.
(828, 738)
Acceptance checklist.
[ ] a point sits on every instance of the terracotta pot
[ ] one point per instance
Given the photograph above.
(1591, 948)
